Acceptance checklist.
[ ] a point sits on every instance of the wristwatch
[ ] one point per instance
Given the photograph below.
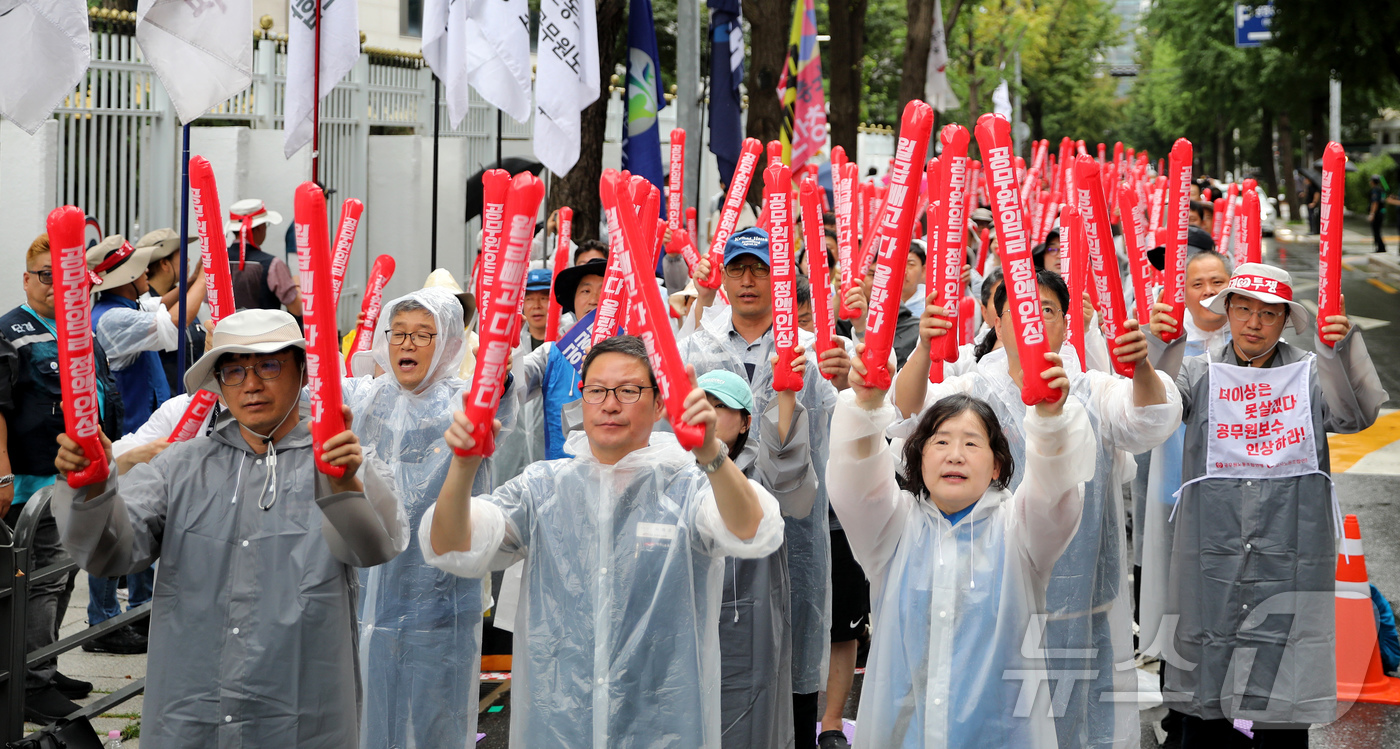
(713, 465)
(7, 480)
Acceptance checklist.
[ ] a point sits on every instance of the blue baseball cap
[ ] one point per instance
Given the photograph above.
(751, 241)
(538, 280)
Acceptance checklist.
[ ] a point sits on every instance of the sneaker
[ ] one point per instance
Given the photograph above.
(47, 706)
(123, 641)
(73, 689)
(832, 740)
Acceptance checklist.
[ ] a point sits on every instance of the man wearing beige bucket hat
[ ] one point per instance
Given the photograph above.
(163, 278)
(254, 614)
(1256, 515)
(260, 280)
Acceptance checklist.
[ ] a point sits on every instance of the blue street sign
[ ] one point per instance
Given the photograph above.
(1252, 24)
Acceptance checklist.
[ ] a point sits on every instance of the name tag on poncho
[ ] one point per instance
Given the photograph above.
(575, 343)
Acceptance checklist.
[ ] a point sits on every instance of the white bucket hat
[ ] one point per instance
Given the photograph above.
(163, 243)
(253, 331)
(113, 262)
(1269, 285)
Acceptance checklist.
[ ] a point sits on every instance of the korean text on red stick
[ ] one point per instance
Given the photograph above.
(612, 309)
(777, 194)
(1073, 260)
(193, 418)
(682, 243)
(318, 323)
(675, 182)
(891, 246)
(379, 275)
(1329, 259)
(82, 419)
(1228, 235)
(733, 204)
(498, 319)
(1250, 231)
(1022, 292)
(845, 190)
(1133, 233)
(952, 243)
(932, 259)
(653, 326)
(208, 219)
(350, 212)
(814, 237)
(1093, 209)
(495, 183)
(561, 261)
(1174, 217)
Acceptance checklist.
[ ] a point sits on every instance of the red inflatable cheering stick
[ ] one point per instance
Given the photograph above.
(350, 213)
(814, 235)
(777, 195)
(1073, 260)
(1133, 233)
(653, 325)
(1093, 209)
(1250, 230)
(379, 275)
(82, 418)
(561, 261)
(1329, 260)
(675, 182)
(893, 230)
(495, 183)
(612, 303)
(318, 323)
(1175, 213)
(846, 190)
(498, 320)
(952, 243)
(1013, 245)
(733, 204)
(208, 217)
(193, 418)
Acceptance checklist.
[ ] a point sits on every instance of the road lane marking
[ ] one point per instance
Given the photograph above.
(1370, 450)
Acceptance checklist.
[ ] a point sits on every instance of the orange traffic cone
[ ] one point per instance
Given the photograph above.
(1359, 674)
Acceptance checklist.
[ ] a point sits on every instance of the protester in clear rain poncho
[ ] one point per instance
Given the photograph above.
(252, 629)
(420, 627)
(616, 635)
(1253, 563)
(958, 563)
(739, 339)
(754, 635)
(1089, 631)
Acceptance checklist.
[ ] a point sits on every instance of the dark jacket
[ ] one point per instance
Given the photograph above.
(31, 397)
(250, 289)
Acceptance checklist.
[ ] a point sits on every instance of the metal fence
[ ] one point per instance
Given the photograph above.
(16, 577)
(119, 135)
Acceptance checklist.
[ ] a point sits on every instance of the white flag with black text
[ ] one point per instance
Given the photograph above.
(340, 49)
(568, 80)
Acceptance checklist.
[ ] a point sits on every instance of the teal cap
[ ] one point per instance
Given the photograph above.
(731, 389)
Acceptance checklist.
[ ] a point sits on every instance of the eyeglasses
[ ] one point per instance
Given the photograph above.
(1048, 312)
(420, 338)
(235, 374)
(626, 394)
(45, 276)
(737, 271)
(1242, 313)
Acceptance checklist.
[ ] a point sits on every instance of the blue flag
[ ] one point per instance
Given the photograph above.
(726, 73)
(641, 138)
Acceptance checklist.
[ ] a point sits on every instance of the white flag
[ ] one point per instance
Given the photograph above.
(498, 54)
(188, 43)
(1001, 100)
(445, 51)
(567, 75)
(340, 48)
(44, 53)
(937, 92)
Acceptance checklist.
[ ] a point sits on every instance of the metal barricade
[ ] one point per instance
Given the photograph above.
(15, 579)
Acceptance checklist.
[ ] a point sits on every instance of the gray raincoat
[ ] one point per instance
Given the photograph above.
(755, 637)
(420, 627)
(253, 637)
(616, 636)
(808, 538)
(1247, 545)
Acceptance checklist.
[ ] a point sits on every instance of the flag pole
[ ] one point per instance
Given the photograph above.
(437, 122)
(316, 103)
(182, 345)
